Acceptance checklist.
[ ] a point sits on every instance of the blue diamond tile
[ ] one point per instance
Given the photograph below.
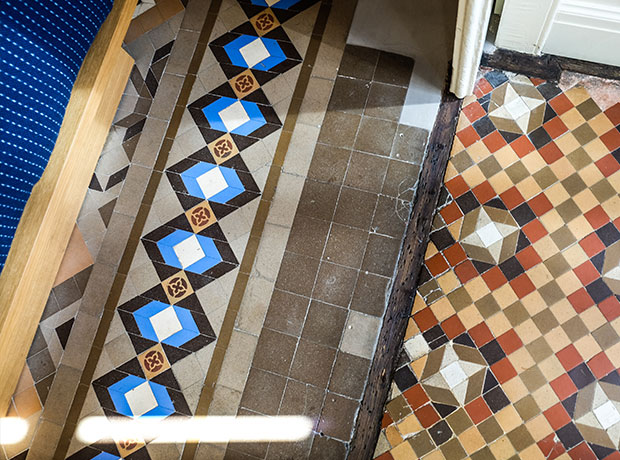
(233, 116)
(160, 322)
(136, 397)
(106, 456)
(211, 182)
(187, 251)
(253, 52)
(281, 4)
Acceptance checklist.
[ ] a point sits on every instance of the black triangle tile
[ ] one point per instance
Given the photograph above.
(106, 210)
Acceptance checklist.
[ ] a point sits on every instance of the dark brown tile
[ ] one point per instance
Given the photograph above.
(533, 378)
(349, 95)
(308, 236)
(345, 246)
(339, 129)
(602, 191)
(520, 438)
(375, 136)
(286, 312)
(285, 450)
(606, 336)
(391, 217)
(398, 408)
(43, 387)
(66, 293)
(422, 443)
(490, 430)
(324, 324)
(263, 392)
(385, 101)
(274, 352)
(557, 265)
(539, 349)
(318, 200)
(38, 343)
(393, 69)
(335, 284)
(575, 328)
(400, 179)
(297, 274)
(366, 172)
(41, 365)
(460, 299)
(313, 363)
(517, 172)
(302, 399)
(51, 307)
(381, 255)
(337, 417)
(81, 279)
(370, 294)
(329, 164)
(355, 208)
(327, 449)
(453, 450)
(545, 321)
(349, 376)
(459, 421)
(527, 407)
(409, 144)
(358, 62)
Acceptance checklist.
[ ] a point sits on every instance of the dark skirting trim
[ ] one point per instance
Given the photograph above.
(368, 424)
(546, 66)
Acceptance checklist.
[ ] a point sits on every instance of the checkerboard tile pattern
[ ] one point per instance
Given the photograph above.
(513, 344)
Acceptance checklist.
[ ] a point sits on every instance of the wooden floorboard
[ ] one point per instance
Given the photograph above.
(368, 424)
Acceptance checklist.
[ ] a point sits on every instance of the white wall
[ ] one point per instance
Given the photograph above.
(586, 29)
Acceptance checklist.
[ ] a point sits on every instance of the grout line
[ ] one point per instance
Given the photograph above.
(132, 244)
(215, 366)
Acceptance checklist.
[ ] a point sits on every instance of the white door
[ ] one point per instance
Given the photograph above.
(580, 29)
(587, 30)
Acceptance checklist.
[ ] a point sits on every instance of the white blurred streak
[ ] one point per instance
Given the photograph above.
(217, 429)
(12, 430)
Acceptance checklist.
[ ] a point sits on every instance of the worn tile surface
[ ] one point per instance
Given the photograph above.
(512, 344)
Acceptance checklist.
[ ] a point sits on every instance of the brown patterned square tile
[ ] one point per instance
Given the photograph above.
(153, 361)
(177, 287)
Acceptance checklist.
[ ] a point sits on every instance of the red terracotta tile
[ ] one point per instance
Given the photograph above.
(592, 245)
(540, 204)
(510, 341)
(534, 231)
(608, 165)
(528, 258)
(555, 127)
(474, 111)
(503, 370)
(483, 87)
(494, 141)
(615, 455)
(522, 146)
(569, 357)
(522, 285)
(597, 217)
(385, 456)
(484, 192)
(494, 278)
(563, 387)
(537, 81)
(451, 213)
(550, 448)
(481, 334)
(455, 254)
(457, 186)
(611, 139)
(416, 396)
(561, 104)
(437, 264)
(512, 198)
(453, 327)
(613, 113)
(465, 271)
(600, 365)
(551, 153)
(386, 420)
(582, 452)
(468, 136)
(427, 415)
(587, 273)
(610, 308)
(557, 416)
(425, 319)
(478, 410)
(580, 300)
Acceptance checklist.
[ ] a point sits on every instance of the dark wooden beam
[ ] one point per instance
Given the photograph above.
(546, 66)
(368, 424)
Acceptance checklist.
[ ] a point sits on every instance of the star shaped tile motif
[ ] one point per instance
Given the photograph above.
(517, 107)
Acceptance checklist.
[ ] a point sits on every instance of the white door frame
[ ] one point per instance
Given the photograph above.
(471, 29)
(525, 25)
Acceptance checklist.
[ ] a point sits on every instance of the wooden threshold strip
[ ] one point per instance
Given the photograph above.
(546, 66)
(368, 424)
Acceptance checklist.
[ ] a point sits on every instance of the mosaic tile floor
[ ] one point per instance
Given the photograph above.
(513, 345)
